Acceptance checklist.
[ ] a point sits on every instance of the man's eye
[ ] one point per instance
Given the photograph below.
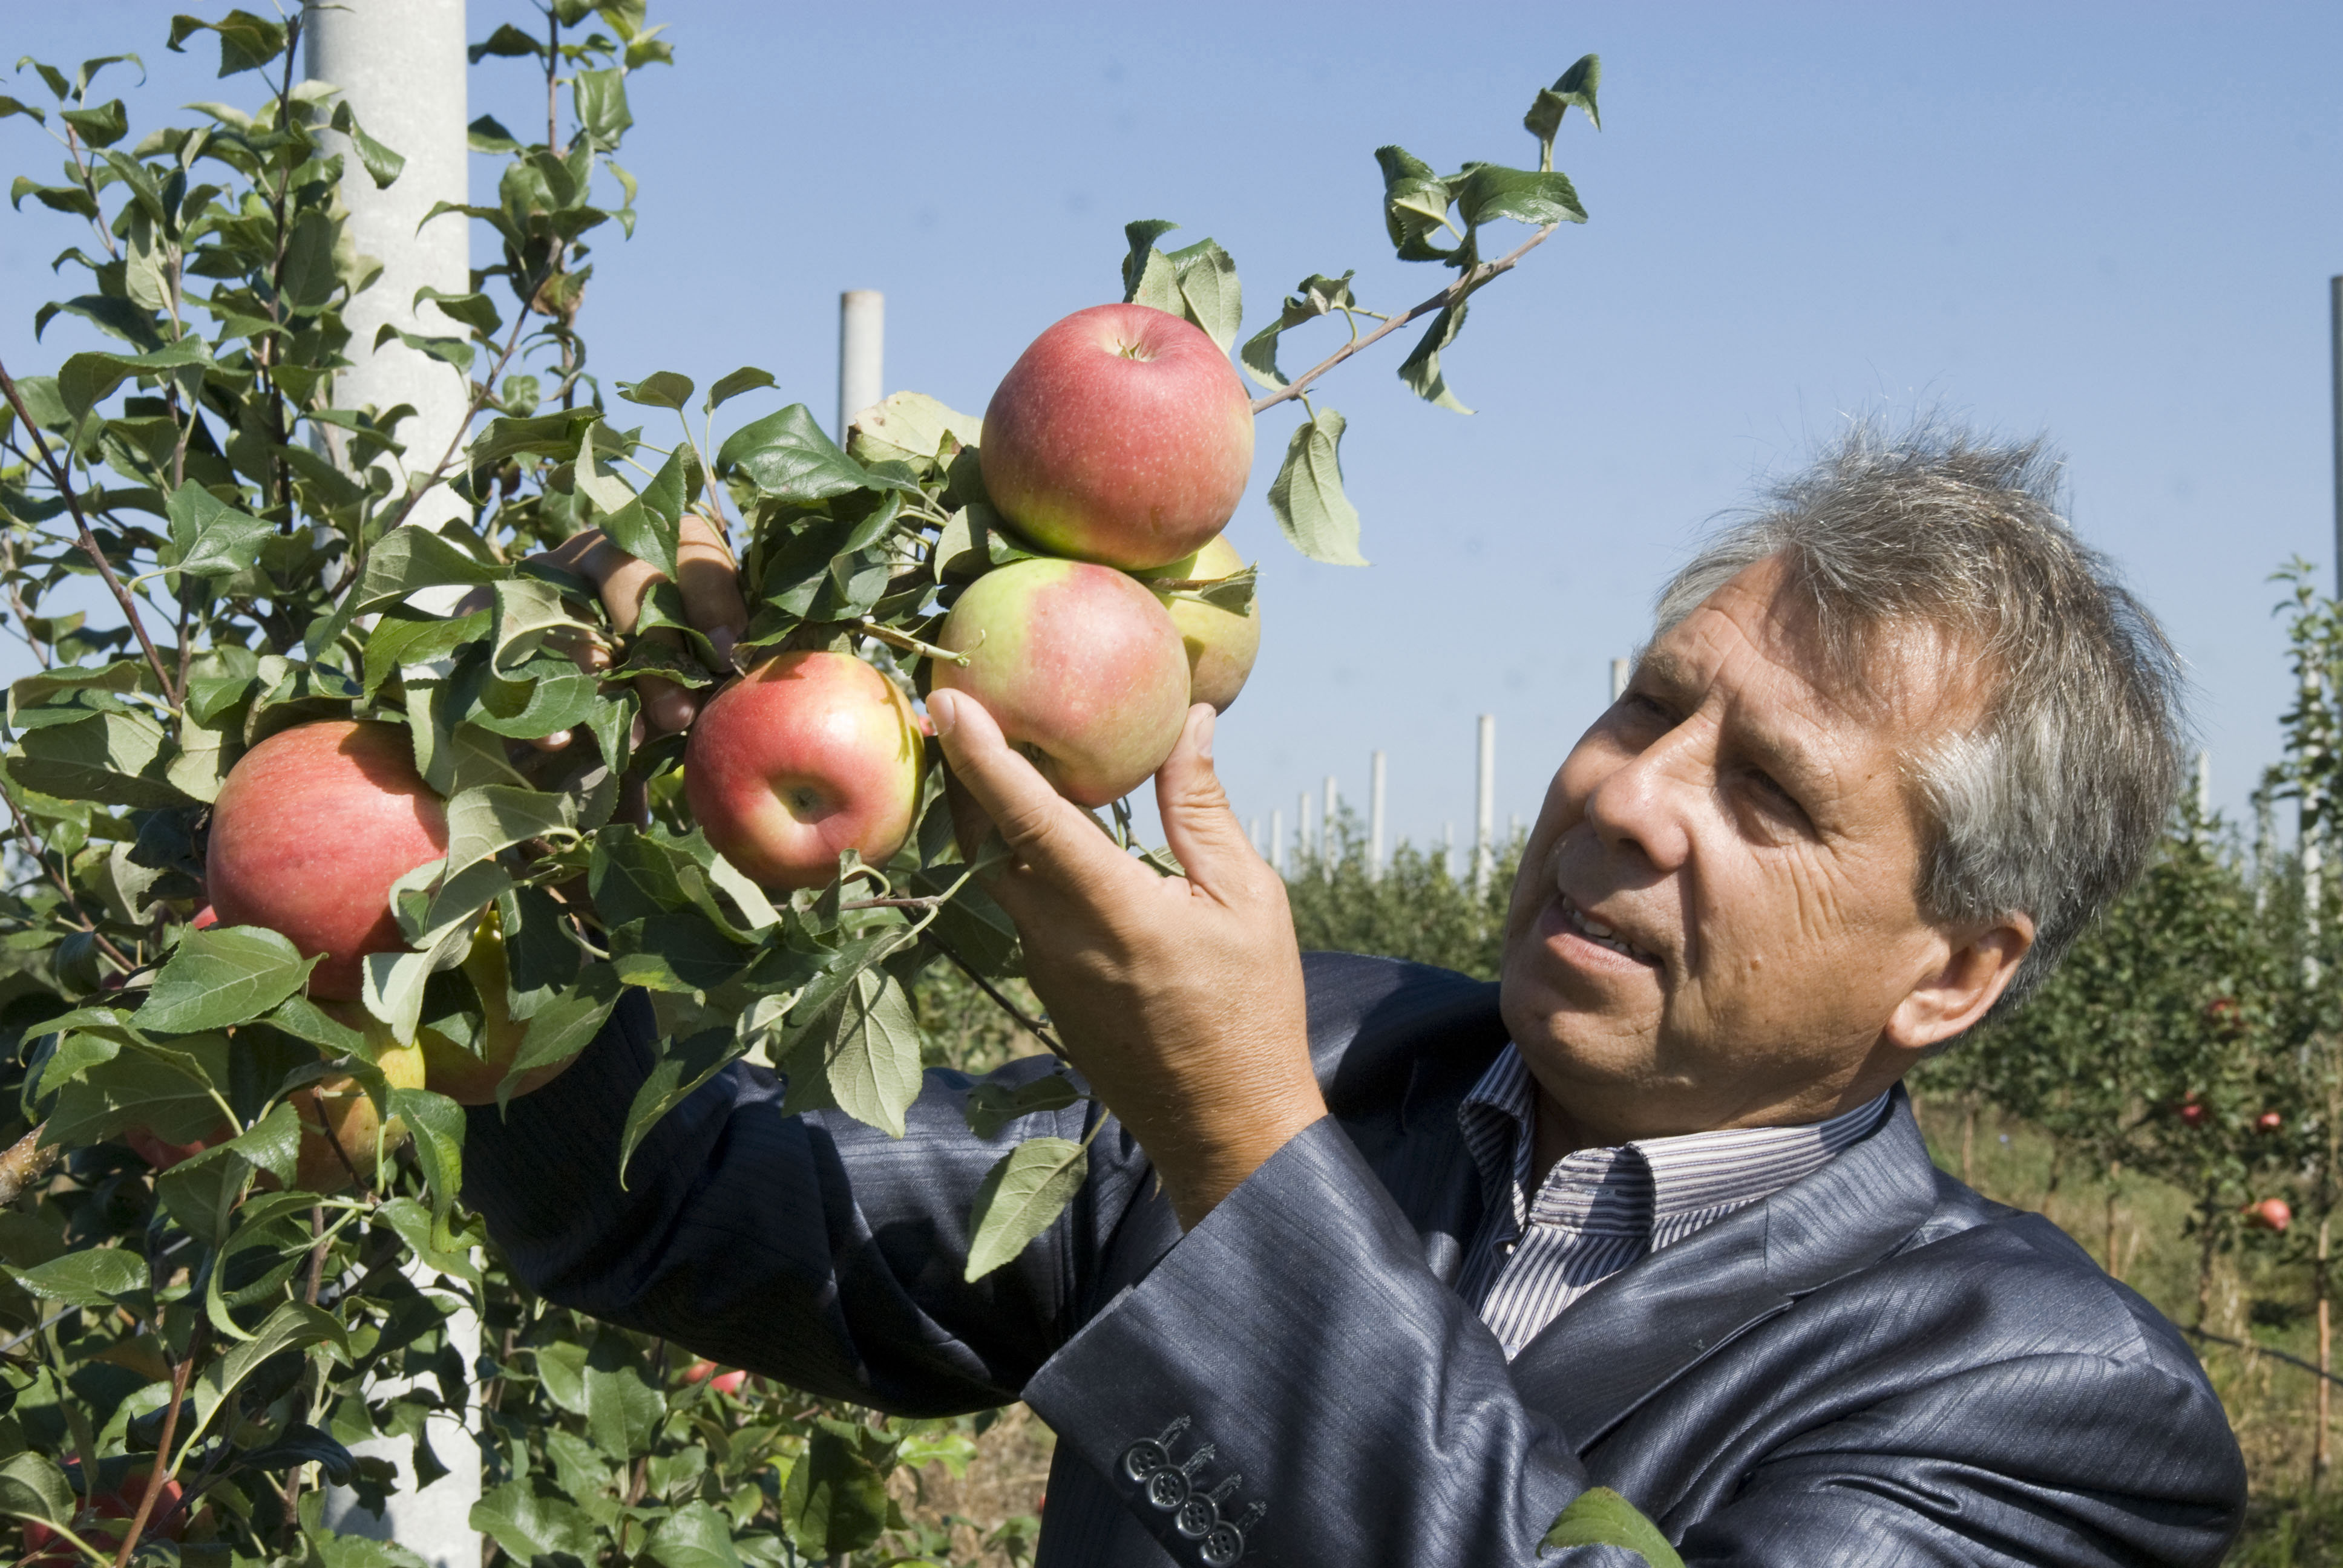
(1774, 798)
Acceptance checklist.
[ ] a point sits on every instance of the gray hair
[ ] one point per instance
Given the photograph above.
(2052, 802)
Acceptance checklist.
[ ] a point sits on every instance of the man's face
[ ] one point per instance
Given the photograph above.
(1743, 829)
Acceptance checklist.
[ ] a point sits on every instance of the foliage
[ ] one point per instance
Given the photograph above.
(187, 1296)
(1415, 907)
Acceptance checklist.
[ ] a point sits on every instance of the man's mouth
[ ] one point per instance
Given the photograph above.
(1601, 934)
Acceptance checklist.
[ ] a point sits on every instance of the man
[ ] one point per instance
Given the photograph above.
(1374, 1264)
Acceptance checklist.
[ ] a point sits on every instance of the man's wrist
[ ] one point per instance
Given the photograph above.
(1198, 1177)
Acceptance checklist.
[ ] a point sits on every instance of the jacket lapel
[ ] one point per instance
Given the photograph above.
(1647, 1325)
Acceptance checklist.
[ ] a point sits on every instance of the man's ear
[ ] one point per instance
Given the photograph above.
(1963, 987)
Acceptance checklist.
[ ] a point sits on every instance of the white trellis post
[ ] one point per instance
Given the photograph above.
(1619, 670)
(400, 65)
(1327, 847)
(1277, 841)
(861, 346)
(1448, 849)
(1375, 817)
(1305, 845)
(1484, 807)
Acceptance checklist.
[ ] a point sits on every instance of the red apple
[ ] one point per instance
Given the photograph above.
(468, 1077)
(807, 756)
(2268, 1122)
(159, 1152)
(338, 1119)
(2269, 1214)
(2192, 1114)
(310, 829)
(724, 1382)
(102, 1521)
(1221, 645)
(206, 919)
(1080, 666)
(1122, 436)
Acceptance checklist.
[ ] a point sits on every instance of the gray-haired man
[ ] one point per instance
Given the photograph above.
(1375, 1264)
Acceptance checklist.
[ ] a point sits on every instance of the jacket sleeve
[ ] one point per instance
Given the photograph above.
(1334, 1399)
(809, 1248)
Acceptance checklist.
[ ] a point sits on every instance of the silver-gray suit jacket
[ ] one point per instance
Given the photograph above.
(1873, 1366)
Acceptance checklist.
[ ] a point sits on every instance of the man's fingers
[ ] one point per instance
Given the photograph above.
(1046, 831)
(709, 581)
(1198, 828)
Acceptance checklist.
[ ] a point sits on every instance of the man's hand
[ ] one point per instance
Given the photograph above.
(1180, 998)
(707, 577)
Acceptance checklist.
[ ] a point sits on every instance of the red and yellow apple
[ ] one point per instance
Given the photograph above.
(1122, 435)
(468, 1077)
(338, 1119)
(1080, 666)
(311, 829)
(103, 1520)
(1221, 646)
(804, 757)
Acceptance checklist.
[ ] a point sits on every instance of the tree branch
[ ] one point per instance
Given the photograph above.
(1031, 1026)
(180, 1375)
(63, 482)
(1454, 293)
(25, 1163)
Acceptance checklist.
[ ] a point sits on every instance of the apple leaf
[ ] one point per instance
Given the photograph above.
(1307, 497)
(1026, 1190)
(694, 1536)
(210, 539)
(660, 389)
(412, 557)
(870, 1050)
(992, 1106)
(1576, 85)
(32, 1487)
(1601, 1517)
(436, 1123)
(201, 1195)
(683, 1066)
(1209, 294)
(786, 455)
(748, 378)
(1420, 368)
(910, 427)
(108, 757)
(1488, 191)
(1313, 296)
(533, 1528)
(1416, 204)
(95, 1279)
(223, 976)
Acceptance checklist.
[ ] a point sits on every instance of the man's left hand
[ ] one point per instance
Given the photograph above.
(1180, 998)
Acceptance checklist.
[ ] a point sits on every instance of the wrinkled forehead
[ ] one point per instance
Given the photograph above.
(1910, 671)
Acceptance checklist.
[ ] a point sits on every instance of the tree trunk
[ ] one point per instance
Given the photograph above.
(2208, 1216)
(2318, 1450)
(1968, 1136)
(2114, 1259)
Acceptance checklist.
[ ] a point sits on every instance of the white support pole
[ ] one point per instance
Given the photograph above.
(1375, 817)
(861, 345)
(2203, 783)
(1329, 846)
(1253, 835)
(1277, 842)
(1448, 849)
(1484, 807)
(1619, 670)
(400, 65)
(1306, 847)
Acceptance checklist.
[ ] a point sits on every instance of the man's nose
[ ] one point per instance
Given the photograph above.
(1643, 806)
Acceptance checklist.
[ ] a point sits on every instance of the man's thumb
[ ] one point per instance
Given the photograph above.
(1198, 828)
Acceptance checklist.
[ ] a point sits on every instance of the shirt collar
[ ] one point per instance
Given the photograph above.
(1644, 1184)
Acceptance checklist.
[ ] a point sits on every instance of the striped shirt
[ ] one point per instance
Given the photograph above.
(1600, 1210)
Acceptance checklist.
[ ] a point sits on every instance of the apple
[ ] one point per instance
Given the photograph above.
(1221, 645)
(338, 1120)
(310, 829)
(102, 1521)
(2269, 1214)
(1122, 435)
(2192, 1114)
(2268, 1122)
(725, 1382)
(468, 1077)
(1080, 666)
(161, 1153)
(206, 919)
(807, 756)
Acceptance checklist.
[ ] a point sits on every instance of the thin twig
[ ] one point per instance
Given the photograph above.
(1031, 1026)
(2262, 1350)
(156, 1477)
(907, 642)
(63, 482)
(1454, 293)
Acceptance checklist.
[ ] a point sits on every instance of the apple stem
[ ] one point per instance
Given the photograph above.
(1449, 295)
(908, 644)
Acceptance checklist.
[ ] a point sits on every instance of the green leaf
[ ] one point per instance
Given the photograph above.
(545, 435)
(246, 42)
(1601, 1517)
(622, 1407)
(1420, 368)
(1209, 294)
(494, 816)
(31, 1487)
(687, 1064)
(511, 42)
(85, 380)
(223, 976)
(1142, 236)
(1415, 203)
(111, 757)
(1315, 296)
(95, 1278)
(649, 526)
(660, 389)
(310, 277)
(866, 1044)
(532, 1528)
(836, 1499)
(101, 126)
(600, 98)
(1023, 1193)
(1576, 85)
(1307, 497)
(694, 1536)
(408, 637)
(992, 1106)
(910, 427)
(476, 311)
(210, 539)
(382, 164)
(436, 1123)
(786, 455)
(1490, 192)
(201, 1195)
(412, 557)
(748, 378)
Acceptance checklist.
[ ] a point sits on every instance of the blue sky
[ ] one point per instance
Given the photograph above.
(2113, 224)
